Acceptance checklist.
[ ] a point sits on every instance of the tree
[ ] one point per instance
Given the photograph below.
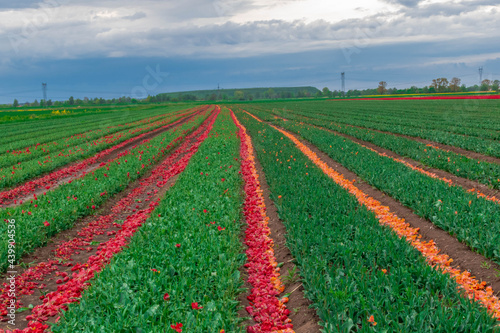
(270, 93)
(327, 92)
(382, 87)
(495, 85)
(485, 85)
(239, 95)
(440, 84)
(71, 100)
(16, 103)
(455, 84)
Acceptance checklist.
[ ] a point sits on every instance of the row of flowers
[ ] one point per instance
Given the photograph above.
(473, 168)
(268, 311)
(62, 138)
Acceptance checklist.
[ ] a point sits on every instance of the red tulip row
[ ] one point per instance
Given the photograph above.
(424, 97)
(71, 286)
(49, 180)
(266, 308)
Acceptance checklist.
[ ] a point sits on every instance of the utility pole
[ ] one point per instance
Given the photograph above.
(480, 75)
(342, 77)
(44, 91)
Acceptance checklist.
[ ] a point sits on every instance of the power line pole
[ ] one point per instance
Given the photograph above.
(480, 75)
(44, 91)
(342, 77)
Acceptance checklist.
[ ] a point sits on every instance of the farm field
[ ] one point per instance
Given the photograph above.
(289, 216)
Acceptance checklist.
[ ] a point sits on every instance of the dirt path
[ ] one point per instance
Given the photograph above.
(54, 264)
(468, 153)
(40, 186)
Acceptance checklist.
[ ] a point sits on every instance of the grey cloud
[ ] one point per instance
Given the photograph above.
(448, 9)
(160, 36)
(9, 4)
(406, 3)
(136, 16)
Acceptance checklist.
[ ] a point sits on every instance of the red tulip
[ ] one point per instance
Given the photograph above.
(177, 327)
(195, 306)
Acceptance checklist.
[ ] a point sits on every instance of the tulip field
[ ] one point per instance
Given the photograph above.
(289, 216)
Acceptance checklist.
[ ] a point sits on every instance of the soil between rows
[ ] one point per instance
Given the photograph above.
(458, 150)
(464, 182)
(463, 257)
(39, 191)
(46, 253)
(304, 318)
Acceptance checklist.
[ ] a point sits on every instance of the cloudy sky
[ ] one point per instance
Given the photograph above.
(110, 48)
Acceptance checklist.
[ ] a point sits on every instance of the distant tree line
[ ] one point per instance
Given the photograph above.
(439, 85)
(77, 102)
(247, 94)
